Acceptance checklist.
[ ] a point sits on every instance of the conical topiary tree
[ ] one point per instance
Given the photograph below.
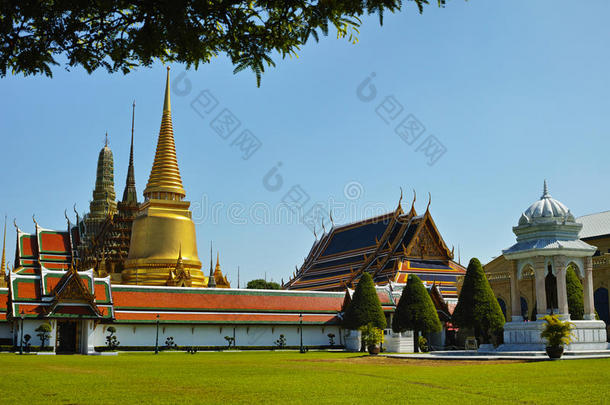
(365, 307)
(576, 305)
(477, 306)
(415, 310)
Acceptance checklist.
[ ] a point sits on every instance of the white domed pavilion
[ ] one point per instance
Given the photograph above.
(547, 243)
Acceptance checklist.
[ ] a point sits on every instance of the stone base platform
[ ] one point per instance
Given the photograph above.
(588, 335)
(471, 355)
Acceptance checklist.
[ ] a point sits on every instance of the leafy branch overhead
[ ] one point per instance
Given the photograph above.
(120, 35)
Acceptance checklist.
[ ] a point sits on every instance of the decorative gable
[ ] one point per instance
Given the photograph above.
(72, 297)
(427, 242)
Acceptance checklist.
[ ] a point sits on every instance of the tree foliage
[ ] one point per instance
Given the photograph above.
(477, 306)
(415, 310)
(111, 340)
(260, 284)
(119, 35)
(365, 307)
(576, 305)
(44, 331)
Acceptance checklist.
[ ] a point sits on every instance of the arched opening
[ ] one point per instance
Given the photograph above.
(550, 286)
(502, 306)
(600, 298)
(575, 293)
(523, 308)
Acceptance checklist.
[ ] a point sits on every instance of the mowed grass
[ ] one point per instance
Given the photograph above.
(291, 377)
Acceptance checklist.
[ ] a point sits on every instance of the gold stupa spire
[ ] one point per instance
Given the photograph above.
(165, 182)
(163, 231)
(3, 265)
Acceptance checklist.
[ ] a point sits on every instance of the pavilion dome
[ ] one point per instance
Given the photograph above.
(546, 208)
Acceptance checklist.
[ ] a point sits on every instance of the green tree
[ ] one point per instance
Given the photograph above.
(415, 311)
(365, 307)
(477, 306)
(43, 333)
(576, 305)
(121, 35)
(260, 284)
(111, 339)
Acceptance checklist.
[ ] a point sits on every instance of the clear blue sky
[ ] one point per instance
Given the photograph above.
(516, 91)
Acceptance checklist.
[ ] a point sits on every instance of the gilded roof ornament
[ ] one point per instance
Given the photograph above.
(3, 264)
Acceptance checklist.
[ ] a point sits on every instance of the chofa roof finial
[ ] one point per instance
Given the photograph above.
(413, 203)
(400, 199)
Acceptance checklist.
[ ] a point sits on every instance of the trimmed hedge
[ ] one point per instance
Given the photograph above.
(415, 310)
(11, 348)
(365, 307)
(477, 306)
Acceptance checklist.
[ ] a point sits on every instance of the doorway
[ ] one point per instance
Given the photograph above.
(67, 337)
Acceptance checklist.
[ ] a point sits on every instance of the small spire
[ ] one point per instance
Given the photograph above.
(217, 259)
(130, 194)
(3, 264)
(545, 191)
(106, 141)
(211, 279)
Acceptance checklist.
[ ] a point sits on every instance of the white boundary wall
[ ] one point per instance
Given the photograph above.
(214, 335)
(92, 335)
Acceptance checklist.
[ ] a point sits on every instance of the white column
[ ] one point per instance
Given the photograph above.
(539, 272)
(559, 263)
(515, 297)
(588, 289)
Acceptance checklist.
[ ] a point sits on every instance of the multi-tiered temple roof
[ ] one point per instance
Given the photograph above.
(389, 247)
(45, 250)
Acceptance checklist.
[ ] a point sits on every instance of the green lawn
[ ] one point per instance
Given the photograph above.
(289, 377)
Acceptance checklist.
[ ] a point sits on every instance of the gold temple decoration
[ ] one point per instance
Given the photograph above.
(3, 264)
(163, 229)
(165, 181)
(220, 279)
(179, 277)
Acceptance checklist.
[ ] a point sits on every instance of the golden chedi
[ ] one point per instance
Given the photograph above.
(163, 230)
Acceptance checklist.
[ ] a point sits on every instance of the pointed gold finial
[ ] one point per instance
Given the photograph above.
(167, 105)
(3, 264)
(165, 181)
